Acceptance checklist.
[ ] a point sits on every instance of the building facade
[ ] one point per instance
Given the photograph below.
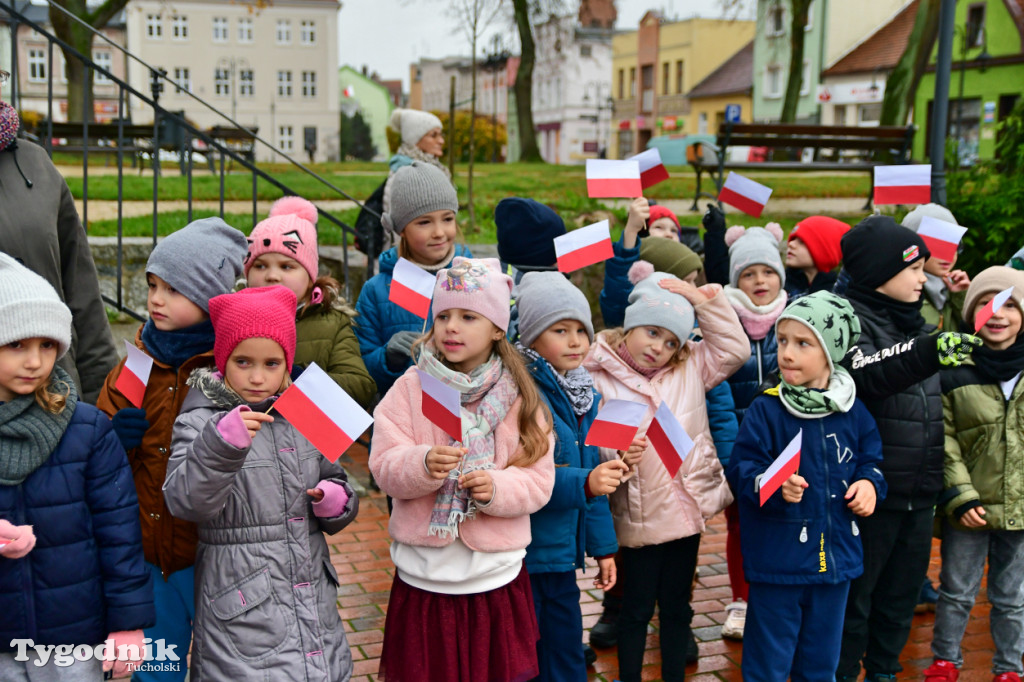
(430, 86)
(361, 92)
(730, 85)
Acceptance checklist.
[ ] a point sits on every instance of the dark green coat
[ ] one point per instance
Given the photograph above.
(325, 336)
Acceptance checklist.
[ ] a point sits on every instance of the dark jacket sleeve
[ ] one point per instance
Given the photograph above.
(615, 294)
(883, 372)
(202, 468)
(722, 420)
(600, 540)
(751, 457)
(869, 453)
(716, 257)
(346, 365)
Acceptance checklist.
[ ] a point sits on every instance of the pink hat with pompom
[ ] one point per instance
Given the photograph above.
(290, 229)
(754, 246)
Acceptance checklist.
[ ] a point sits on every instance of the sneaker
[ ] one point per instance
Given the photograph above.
(692, 652)
(1006, 677)
(735, 619)
(927, 598)
(589, 655)
(604, 634)
(941, 671)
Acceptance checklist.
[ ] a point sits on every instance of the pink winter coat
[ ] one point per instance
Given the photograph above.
(651, 507)
(401, 438)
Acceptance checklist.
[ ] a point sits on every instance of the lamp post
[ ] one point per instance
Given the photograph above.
(495, 62)
(600, 104)
(232, 64)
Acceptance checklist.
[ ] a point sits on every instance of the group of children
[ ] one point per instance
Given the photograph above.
(216, 546)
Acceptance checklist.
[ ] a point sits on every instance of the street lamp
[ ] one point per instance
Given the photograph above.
(232, 64)
(600, 104)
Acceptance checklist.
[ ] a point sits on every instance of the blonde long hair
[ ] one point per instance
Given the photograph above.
(50, 400)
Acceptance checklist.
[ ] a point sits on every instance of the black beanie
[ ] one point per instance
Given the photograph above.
(878, 248)
(526, 232)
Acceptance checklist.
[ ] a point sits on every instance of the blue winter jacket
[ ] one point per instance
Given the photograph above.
(378, 319)
(762, 366)
(569, 523)
(86, 576)
(815, 540)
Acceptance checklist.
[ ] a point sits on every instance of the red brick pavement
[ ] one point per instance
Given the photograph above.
(360, 554)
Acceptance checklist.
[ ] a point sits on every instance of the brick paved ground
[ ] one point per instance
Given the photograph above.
(360, 554)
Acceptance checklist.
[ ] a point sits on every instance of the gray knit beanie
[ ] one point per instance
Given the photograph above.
(201, 260)
(754, 246)
(913, 219)
(652, 306)
(413, 124)
(544, 298)
(30, 308)
(415, 190)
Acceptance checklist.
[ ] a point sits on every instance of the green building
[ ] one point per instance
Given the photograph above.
(360, 92)
(771, 60)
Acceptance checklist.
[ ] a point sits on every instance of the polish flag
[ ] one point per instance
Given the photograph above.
(349, 91)
(583, 247)
(322, 412)
(616, 424)
(412, 287)
(745, 194)
(908, 184)
(652, 170)
(669, 439)
(441, 404)
(134, 375)
(613, 179)
(986, 313)
(782, 468)
(941, 237)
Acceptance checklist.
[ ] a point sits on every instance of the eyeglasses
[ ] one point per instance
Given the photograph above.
(4, 77)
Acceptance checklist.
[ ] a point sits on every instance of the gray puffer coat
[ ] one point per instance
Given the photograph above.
(266, 592)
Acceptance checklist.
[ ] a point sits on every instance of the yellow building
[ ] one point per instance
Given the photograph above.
(731, 84)
(655, 66)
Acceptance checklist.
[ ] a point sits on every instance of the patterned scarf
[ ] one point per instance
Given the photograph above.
(29, 434)
(9, 124)
(495, 391)
(577, 384)
(813, 403)
(417, 154)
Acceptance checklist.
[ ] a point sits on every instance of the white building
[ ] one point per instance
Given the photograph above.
(273, 68)
(430, 86)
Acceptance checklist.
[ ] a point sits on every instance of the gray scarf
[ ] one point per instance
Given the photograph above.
(936, 291)
(417, 154)
(577, 384)
(29, 434)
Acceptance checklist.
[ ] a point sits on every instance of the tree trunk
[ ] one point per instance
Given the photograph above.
(528, 150)
(797, 34)
(901, 84)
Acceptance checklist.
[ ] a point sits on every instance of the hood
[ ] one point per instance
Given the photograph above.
(210, 390)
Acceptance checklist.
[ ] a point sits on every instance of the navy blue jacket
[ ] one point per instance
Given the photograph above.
(86, 576)
(569, 523)
(815, 540)
(762, 366)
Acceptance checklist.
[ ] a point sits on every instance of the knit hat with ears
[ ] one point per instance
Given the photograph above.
(260, 313)
(658, 212)
(30, 307)
(290, 230)
(415, 190)
(413, 124)
(476, 284)
(821, 235)
(993, 280)
(652, 306)
(754, 246)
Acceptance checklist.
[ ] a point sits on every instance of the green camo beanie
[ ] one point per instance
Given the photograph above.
(830, 317)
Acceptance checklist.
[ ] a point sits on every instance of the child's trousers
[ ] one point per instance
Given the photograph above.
(963, 564)
(556, 598)
(175, 611)
(90, 670)
(793, 632)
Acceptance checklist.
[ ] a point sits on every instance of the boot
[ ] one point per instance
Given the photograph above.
(604, 634)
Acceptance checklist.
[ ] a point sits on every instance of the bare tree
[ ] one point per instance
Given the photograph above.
(798, 19)
(528, 149)
(901, 84)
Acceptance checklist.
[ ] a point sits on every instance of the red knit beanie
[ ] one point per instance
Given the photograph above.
(658, 212)
(822, 235)
(263, 312)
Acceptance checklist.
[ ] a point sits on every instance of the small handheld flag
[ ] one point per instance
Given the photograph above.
(412, 287)
(652, 170)
(669, 439)
(441, 404)
(613, 179)
(784, 466)
(942, 238)
(349, 91)
(135, 375)
(616, 424)
(907, 184)
(583, 247)
(986, 313)
(745, 194)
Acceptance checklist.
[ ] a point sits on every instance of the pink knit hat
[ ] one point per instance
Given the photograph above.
(290, 230)
(260, 313)
(476, 284)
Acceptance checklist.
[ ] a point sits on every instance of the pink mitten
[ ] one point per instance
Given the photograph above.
(15, 541)
(335, 499)
(128, 638)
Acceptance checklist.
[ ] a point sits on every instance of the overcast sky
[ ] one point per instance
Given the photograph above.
(388, 35)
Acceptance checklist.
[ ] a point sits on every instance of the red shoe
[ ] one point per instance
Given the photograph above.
(1006, 677)
(943, 671)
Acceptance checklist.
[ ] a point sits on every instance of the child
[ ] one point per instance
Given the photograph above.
(283, 250)
(185, 270)
(555, 332)
(980, 507)
(812, 254)
(266, 593)
(526, 230)
(658, 518)
(71, 565)
(801, 548)
(461, 607)
(895, 365)
(422, 213)
(945, 287)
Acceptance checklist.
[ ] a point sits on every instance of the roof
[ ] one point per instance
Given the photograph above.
(734, 76)
(882, 49)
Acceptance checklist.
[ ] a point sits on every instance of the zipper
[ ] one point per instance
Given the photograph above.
(760, 371)
(927, 425)
(30, 605)
(828, 505)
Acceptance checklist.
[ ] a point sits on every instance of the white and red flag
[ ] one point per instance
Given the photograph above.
(941, 237)
(784, 466)
(613, 179)
(745, 194)
(906, 184)
(997, 302)
(349, 91)
(134, 375)
(583, 247)
(652, 170)
(441, 404)
(412, 287)
(616, 424)
(669, 439)
(322, 412)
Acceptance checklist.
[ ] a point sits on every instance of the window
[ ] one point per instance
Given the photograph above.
(221, 82)
(625, 143)
(182, 79)
(647, 88)
(37, 65)
(309, 83)
(805, 79)
(105, 61)
(664, 78)
(586, 50)
(702, 123)
(622, 83)
(220, 29)
(773, 81)
(679, 77)
(810, 16)
(284, 32)
(284, 83)
(246, 83)
(245, 30)
(179, 27)
(308, 32)
(776, 20)
(839, 115)
(285, 138)
(975, 26)
(632, 81)
(869, 114)
(154, 26)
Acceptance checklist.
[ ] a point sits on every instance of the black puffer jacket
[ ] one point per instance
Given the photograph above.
(897, 378)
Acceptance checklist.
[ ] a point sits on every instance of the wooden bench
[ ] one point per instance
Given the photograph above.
(128, 139)
(877, 146)
(238, 140)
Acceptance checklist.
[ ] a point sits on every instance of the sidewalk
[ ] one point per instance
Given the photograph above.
(360, 554)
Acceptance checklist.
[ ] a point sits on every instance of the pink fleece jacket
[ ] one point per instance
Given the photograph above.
(401, 438)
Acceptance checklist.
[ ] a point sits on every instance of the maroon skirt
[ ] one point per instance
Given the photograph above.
(486, 637)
